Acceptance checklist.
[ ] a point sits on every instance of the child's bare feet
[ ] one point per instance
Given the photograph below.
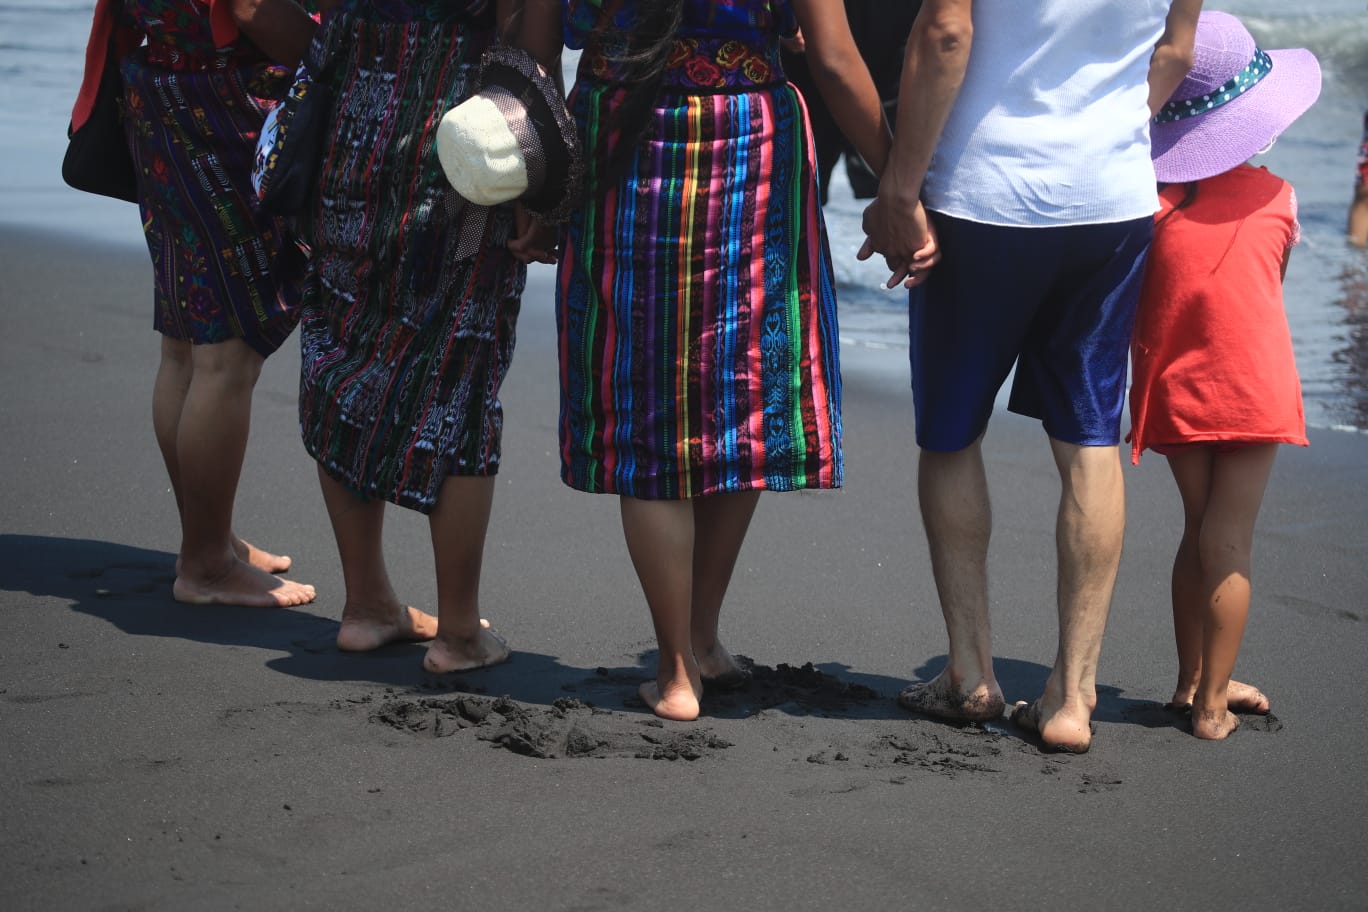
(1214, 724)
(241, 584)
(942, 699)
(449, 654)
(1067, 729)
(677, 700)
(718, 668)
(1240, 698)
(365, 630)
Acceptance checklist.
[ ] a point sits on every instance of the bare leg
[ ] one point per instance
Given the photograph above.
(953, 490)
(660, 539)
(1192, 471)
(372, 615)
(458, 526)
(210, 442)
(1236, 489)
(720, 524)
(1358, 216)
(1088, 534)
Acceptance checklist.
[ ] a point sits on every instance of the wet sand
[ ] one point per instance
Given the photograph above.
(159, 756)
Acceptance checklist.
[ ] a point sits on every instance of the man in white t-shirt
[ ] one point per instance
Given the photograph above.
(1021, 171)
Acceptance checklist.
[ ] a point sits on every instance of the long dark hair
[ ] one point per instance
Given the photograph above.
(1189, 197)
(639, 52)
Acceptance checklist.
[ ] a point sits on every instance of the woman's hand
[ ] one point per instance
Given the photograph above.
(905, 237)
(532, 241)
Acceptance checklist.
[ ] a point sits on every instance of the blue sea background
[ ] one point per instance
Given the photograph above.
(42, 44)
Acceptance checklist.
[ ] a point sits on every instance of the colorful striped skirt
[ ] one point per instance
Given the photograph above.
(412, 298)
(221, 270)
(696, 307)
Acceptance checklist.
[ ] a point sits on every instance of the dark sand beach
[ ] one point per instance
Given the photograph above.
(160, 756)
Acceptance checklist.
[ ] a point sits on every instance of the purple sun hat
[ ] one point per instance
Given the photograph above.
(1233, 103)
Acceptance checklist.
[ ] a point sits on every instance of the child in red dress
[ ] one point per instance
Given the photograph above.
(1215, 386)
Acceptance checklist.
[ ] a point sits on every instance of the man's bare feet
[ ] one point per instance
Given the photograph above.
(364, 631)
(450, 655)
(1067, 729)
(241, 584)
(262, 560)
(719, 669)
(1240, 698)
(942, 699)
(1215, 724)
(676, 700)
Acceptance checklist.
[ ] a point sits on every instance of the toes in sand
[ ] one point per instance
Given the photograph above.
(720, 670)
(362, 632)
(448, 656)
(262, 560)
(940, 698)
(676, 701)
(242, 584)
(1064, 731)
(1246, 698)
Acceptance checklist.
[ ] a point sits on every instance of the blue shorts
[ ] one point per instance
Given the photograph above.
(1057, 302)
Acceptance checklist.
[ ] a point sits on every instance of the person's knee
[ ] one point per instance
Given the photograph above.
(231, 362)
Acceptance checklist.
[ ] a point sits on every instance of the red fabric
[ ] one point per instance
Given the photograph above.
(96, 50)
(1212, 354)
(221, 20)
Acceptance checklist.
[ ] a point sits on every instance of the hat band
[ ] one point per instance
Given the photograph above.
(1182, 109)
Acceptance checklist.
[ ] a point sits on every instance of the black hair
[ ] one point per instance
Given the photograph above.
(1189, 197)
(640, 52)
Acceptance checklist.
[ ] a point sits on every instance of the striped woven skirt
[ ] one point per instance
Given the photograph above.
(411, 300)
(696, 309)
(221, 270)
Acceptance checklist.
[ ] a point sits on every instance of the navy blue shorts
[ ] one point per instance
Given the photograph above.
(1057, 302)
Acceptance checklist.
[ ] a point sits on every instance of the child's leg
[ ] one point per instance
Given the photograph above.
(720, 524)
(372, 614)
(458, 526)
(1191, 470)
(660, 539)
(1238, 480)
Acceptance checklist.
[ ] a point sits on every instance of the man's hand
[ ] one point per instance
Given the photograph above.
(905, 238)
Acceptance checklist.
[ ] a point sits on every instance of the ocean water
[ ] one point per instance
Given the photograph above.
(42, 44)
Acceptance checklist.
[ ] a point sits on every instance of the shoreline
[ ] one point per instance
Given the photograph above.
(167, 757)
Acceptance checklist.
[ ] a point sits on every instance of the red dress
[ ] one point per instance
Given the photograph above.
(1212, 355)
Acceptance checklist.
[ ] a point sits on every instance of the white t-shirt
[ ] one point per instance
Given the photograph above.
(1051, 126)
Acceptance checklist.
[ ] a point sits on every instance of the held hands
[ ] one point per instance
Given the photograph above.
(905, 237)
(533, 242)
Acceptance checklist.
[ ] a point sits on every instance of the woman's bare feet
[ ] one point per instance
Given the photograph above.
(676, 700)
(1067, 729)
(718, 668)
(262, 560)
(942, 699)
(1215, 724)
(241, 584)
(451, 654)
(1240, 698)
(363, 631)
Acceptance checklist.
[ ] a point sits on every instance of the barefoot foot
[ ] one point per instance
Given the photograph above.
(1240, 698)
(241, 584)
(452, 655)
(677, 701)
(1066, 730)
(363, 632)
(1214, 725)
(719, 669)
(262, 560)
(942, 699)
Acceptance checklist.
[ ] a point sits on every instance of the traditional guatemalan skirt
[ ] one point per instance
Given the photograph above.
(411, 299)
(221, 269)
(696, 307)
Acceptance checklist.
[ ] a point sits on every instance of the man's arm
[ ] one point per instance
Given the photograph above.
(1172, 57)
(934, 65)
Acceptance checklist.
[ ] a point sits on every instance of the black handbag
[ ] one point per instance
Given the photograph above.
(97, 158)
